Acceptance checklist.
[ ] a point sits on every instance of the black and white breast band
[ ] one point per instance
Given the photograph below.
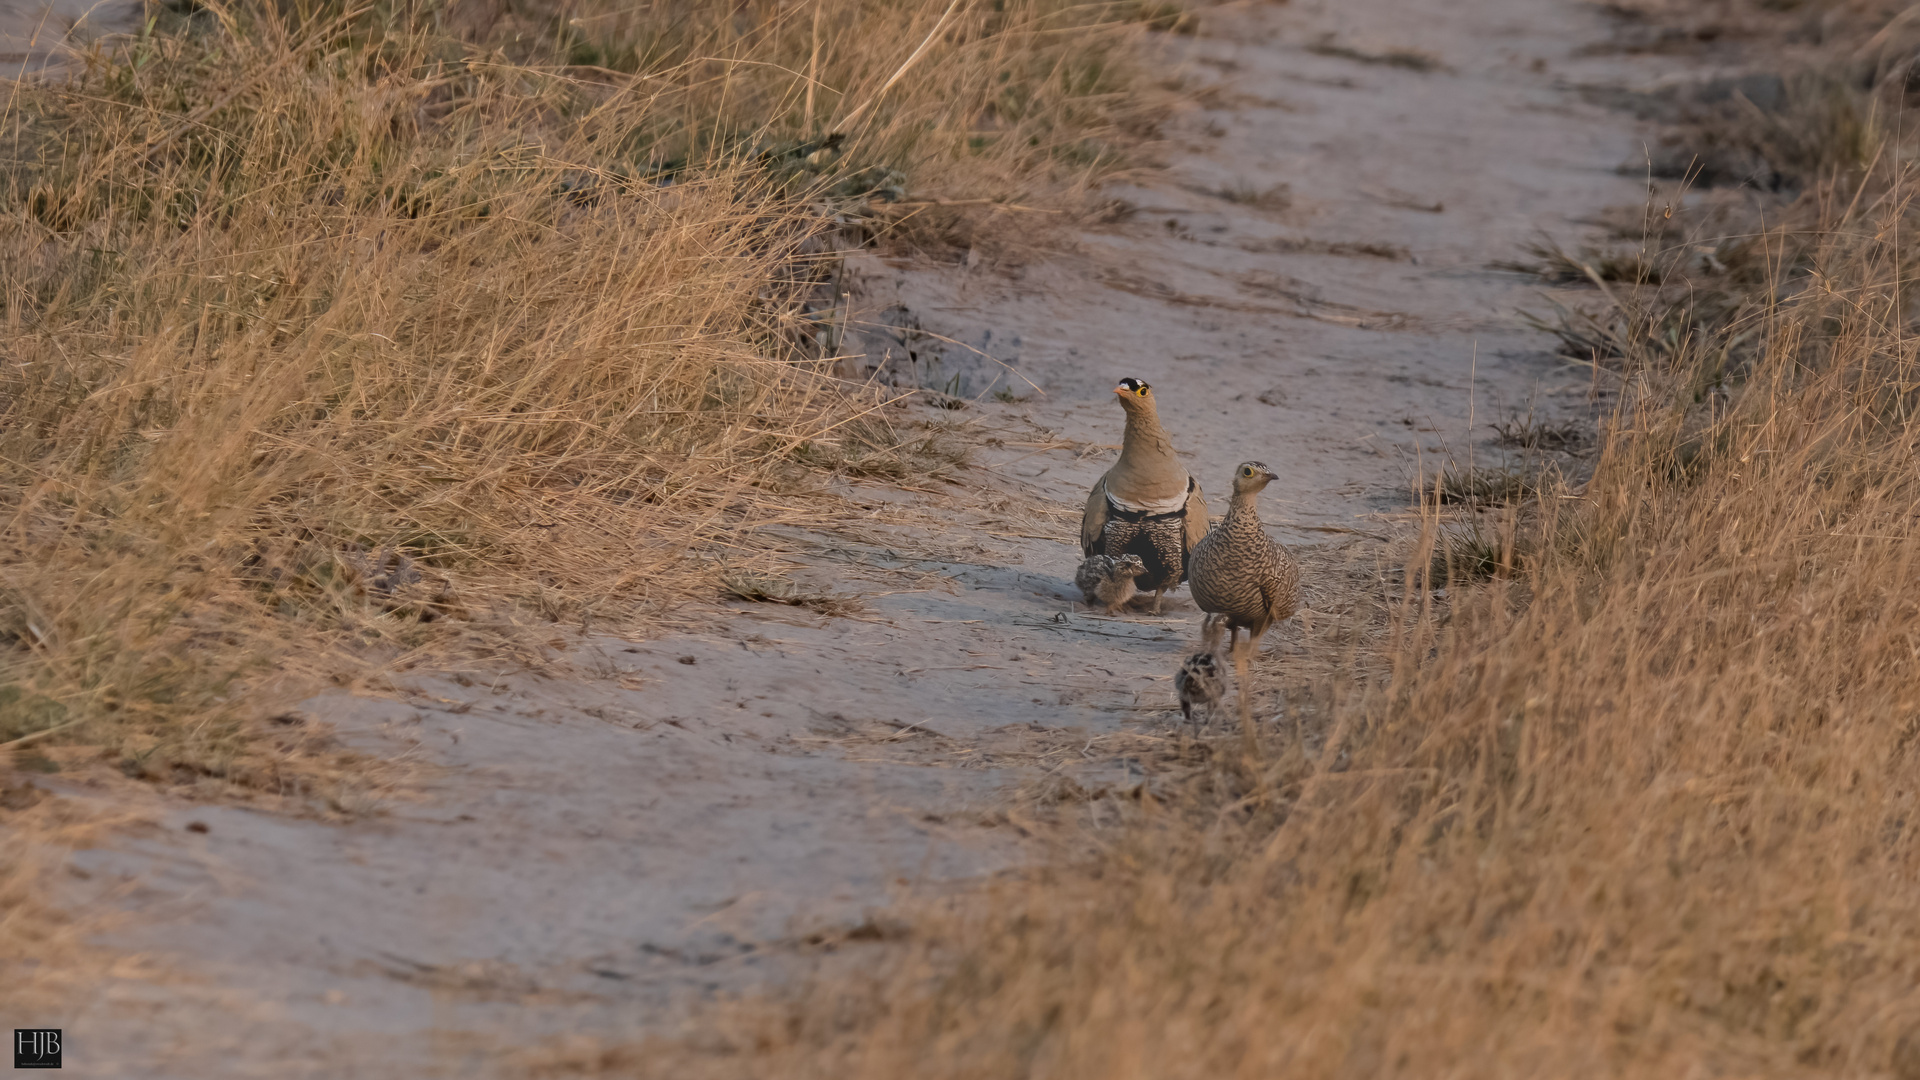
(1130, 516)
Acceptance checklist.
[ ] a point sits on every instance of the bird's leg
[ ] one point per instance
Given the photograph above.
(1207, 641)
(1241, 655)
(1157, 594)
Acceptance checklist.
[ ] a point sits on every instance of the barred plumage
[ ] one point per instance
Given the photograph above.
(1109, 581)
(1200, 680)
(1239, 574)
(1146, 505)
(1237, 571)
(1159, 541)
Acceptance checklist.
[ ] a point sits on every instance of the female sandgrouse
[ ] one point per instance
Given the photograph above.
(1241, 575)
(1109, 581)
(1146, 505)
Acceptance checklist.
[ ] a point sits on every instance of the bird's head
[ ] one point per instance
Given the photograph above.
(1128, 566)
(1203, 664)
(1135, 396)
(1251, 476)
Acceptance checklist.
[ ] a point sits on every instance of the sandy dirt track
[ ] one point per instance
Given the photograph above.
(39, 38)
(1306, 283)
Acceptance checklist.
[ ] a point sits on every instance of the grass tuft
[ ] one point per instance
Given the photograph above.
(1554, 264)
(1275, 198)
(1486, 484)
(768, 589)
(1527, 433)
(1471, 552)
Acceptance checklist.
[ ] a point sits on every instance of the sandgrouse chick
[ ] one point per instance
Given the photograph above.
(1146, 505)
(1109, 581)
(1200, 680)
(1240, 574)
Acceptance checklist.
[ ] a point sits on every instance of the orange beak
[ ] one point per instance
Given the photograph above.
(1121, 390)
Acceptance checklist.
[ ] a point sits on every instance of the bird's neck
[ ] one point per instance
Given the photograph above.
(1146, 448)
(1242, 513)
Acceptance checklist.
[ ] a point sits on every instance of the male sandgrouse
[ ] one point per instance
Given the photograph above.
(1240, 574)
(1145, 505)
(1109, 581)
(1200, 680)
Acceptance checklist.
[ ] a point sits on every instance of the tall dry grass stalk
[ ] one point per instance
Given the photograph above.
(1645, 807)
(333, 333)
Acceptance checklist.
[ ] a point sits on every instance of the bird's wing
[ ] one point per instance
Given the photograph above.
(1280, 600)
(1094, 521)
(1196, 520)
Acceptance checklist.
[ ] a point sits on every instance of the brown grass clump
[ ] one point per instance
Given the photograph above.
(1485, 484)
(334, 335)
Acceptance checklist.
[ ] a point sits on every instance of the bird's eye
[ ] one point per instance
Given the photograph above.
(1141, 390)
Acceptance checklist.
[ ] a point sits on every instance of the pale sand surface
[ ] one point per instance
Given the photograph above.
(592, 850)
(39, 38)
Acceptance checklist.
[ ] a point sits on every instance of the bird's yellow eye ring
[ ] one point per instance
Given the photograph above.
(1244, 471)
(1142, 391)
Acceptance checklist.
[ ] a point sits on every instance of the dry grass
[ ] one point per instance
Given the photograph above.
(1641, 805)
(45, 953)
(1486, 484)
(1528, 433)
(341, 340)
(1816, 124)
(1410, 59)
(773, 589)
(373, 332)
(1555, 264)
(1276, 198)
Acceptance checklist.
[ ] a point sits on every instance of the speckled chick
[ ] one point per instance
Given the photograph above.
(1109, 581)
(1201, 681)
(1146, 504)
(1238, 572)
